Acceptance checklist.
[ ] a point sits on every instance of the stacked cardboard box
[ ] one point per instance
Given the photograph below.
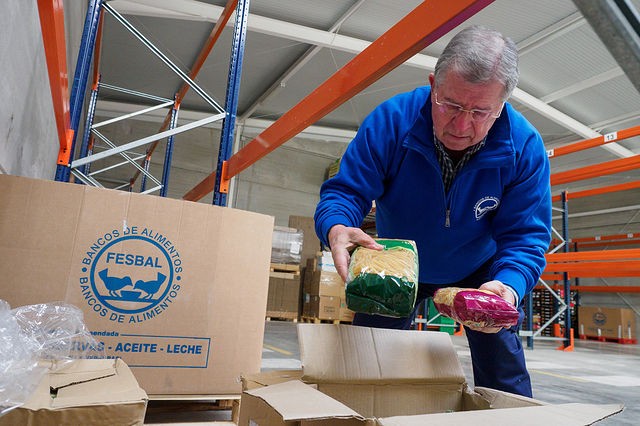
(291, 248)
(607, 323)
(283, 300)
(324, 296)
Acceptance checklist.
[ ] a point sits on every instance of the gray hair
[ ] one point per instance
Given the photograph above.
(481, 55)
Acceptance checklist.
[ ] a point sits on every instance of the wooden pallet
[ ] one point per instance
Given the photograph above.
(282, 316)
(323, 321)
(285, 267)
(285, 275)
(609, 339)
(221, 407)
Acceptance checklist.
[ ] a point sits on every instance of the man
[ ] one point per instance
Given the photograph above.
(455, 168)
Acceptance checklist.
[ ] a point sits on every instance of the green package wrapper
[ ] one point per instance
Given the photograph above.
(384, 282)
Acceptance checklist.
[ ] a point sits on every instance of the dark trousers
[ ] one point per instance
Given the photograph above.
(498, 359)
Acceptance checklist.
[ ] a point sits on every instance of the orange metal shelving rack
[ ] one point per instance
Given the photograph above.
(568, 265)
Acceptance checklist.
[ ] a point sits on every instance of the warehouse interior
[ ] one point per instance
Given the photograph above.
(579, 86)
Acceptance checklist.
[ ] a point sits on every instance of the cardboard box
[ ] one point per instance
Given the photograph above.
(611, 323)
(86, 391)
(177, 289)
(284, 294)
(321, 307)
(365, 376)
(323, 283)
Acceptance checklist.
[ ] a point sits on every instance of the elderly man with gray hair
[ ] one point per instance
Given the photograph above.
(455, 168)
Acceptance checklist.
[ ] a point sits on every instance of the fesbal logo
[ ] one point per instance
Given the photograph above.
(130, 275)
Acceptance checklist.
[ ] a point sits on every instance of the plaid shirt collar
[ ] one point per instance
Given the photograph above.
(449, 169)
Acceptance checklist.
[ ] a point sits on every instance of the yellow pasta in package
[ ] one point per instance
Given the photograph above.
(383, 282)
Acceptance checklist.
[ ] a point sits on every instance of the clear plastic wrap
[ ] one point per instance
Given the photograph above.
(30, 336)
(383, 282)
(475, 308)
(286, 245)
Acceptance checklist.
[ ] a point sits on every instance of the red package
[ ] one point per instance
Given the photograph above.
(475, 308)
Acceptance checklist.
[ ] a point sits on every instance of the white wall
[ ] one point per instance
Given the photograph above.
(28, 137)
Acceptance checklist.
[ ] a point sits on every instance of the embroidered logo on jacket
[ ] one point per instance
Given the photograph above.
(485, 205)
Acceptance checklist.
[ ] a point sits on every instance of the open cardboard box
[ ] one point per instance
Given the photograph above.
(83, 392)
(364, 376)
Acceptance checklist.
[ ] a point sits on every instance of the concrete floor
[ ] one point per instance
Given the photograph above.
(595, 372)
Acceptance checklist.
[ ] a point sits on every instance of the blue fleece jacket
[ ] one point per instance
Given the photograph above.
(499, 203)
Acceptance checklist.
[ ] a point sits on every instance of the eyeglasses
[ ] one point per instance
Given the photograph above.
(477, 115)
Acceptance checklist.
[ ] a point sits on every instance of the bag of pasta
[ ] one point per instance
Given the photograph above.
(383, 282)
(475, 308)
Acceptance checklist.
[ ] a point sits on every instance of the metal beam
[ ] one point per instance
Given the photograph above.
(131, 145)
(52, 26)
(425, 24)
(617, 24)
(593, 142)
(596, 170)
(256, 125)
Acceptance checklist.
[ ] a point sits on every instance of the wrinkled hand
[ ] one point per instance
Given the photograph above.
(342, 240)
(501, 290)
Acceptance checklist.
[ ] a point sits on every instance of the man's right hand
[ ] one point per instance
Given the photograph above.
(342, 240)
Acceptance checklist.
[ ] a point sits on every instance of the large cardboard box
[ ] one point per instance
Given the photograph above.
(175, 288)
(365, 376)
(83, 392)
(611, 323)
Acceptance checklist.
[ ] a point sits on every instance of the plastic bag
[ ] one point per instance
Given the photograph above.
(475, 308)
(32, 334)
(383, 282)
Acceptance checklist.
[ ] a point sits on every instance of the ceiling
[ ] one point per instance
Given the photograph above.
(571, 87)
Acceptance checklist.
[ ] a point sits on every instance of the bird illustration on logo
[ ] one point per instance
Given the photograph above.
(150, 287)
(114, 284)
(485, 205)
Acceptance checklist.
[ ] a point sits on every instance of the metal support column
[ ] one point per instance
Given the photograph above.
(169, 152)
(145, 166)
(78, 90)
(565, 275)
(84, 147)
(231, 103)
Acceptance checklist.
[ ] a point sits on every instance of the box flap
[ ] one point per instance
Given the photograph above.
(296, 401)
(336, 353)
(501, 399)
(562, 414)
(267, 378)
